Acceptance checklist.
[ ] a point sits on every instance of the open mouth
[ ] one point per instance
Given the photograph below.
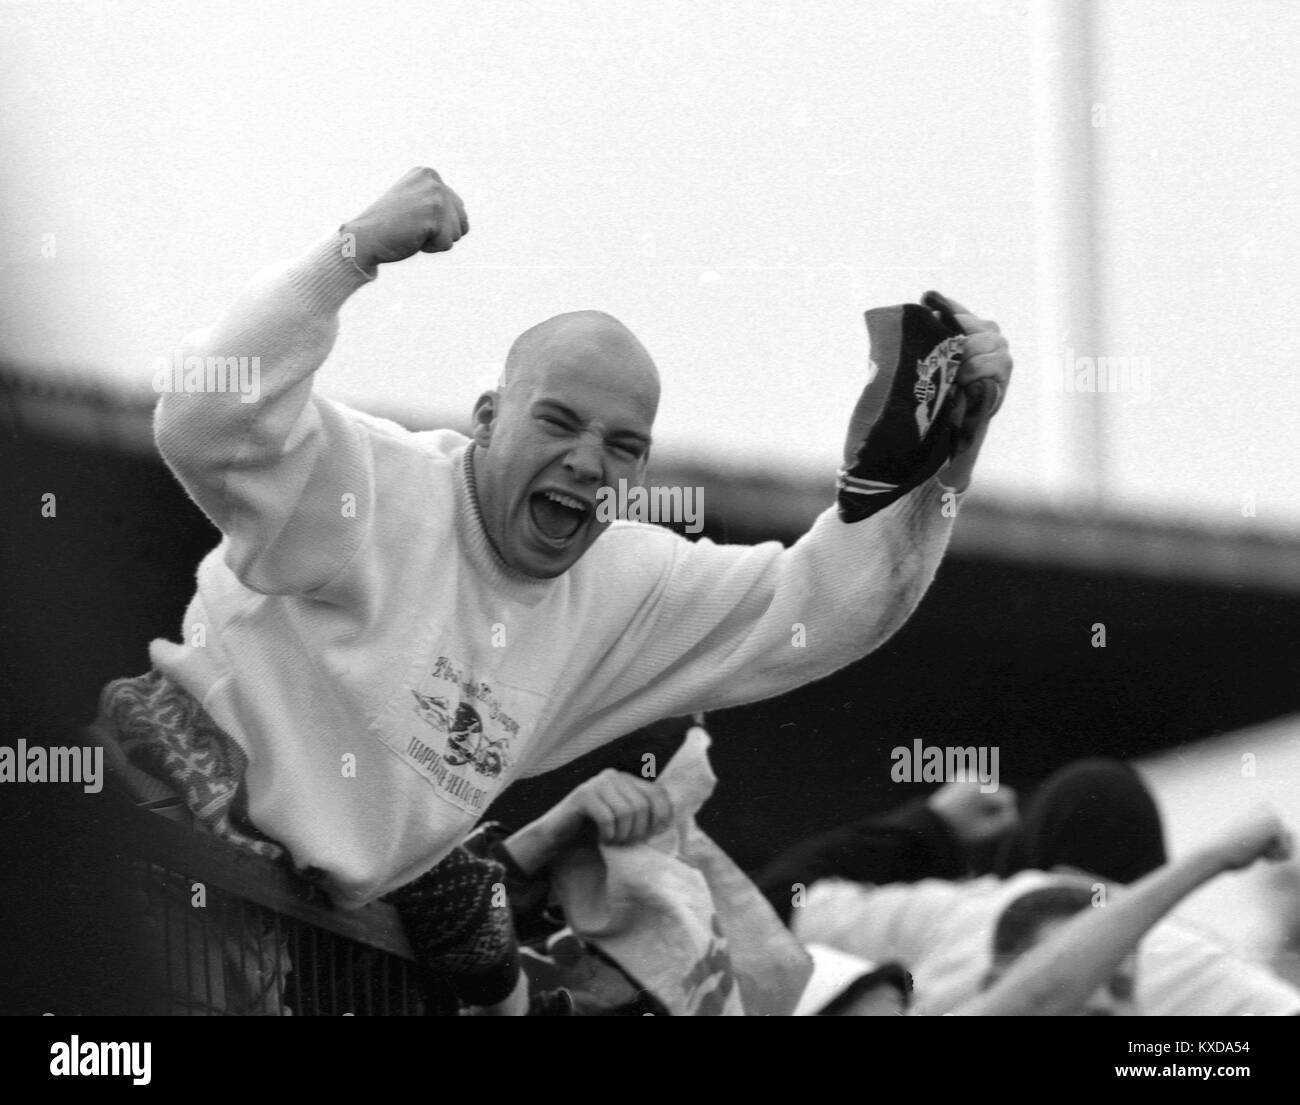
(557, 515)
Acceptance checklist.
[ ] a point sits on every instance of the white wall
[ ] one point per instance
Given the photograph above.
(737, 181)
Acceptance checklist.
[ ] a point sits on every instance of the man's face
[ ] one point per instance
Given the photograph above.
(577, 417)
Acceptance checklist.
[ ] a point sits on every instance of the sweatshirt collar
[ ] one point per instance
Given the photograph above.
(478, 546)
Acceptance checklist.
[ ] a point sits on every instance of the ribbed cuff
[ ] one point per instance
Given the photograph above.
(325, 276)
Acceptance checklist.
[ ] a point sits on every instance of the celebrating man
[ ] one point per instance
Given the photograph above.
(396, 625)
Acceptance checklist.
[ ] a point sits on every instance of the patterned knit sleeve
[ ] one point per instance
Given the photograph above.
(906, 844)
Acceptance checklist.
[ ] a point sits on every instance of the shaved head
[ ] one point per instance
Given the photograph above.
(576, 336)
(572, 413)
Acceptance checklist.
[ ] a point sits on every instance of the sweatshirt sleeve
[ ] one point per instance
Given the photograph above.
(731, 624)
(904, 845)
(269, 462)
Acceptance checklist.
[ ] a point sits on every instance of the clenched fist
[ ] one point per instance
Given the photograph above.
(983, 378)
(1262, 835)
(418, 214)
(974, 816)
(622, 808)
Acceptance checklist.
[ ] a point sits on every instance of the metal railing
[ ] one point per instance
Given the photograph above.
(228, 933)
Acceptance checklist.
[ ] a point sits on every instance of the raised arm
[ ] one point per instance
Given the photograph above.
(925, 838)
(1057, 976)
(268, 461)
(731, 624)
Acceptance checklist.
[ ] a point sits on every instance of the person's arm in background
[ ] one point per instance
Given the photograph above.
(1058, 975)
(923, 838)
(269, 466)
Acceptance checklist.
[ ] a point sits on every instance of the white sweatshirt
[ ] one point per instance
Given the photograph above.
(942, 932)
(387, 674)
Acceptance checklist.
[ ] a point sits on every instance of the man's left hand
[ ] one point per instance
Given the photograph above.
(983, 379)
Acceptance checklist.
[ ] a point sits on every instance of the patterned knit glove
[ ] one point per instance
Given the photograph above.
(901, 432)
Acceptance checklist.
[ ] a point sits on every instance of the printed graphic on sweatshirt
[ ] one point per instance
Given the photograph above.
(934, 376)
(460, 733)
(466, 740)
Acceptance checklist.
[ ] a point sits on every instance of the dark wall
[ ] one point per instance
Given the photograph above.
(998, 654)
(1001, 654)
(86, 590)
